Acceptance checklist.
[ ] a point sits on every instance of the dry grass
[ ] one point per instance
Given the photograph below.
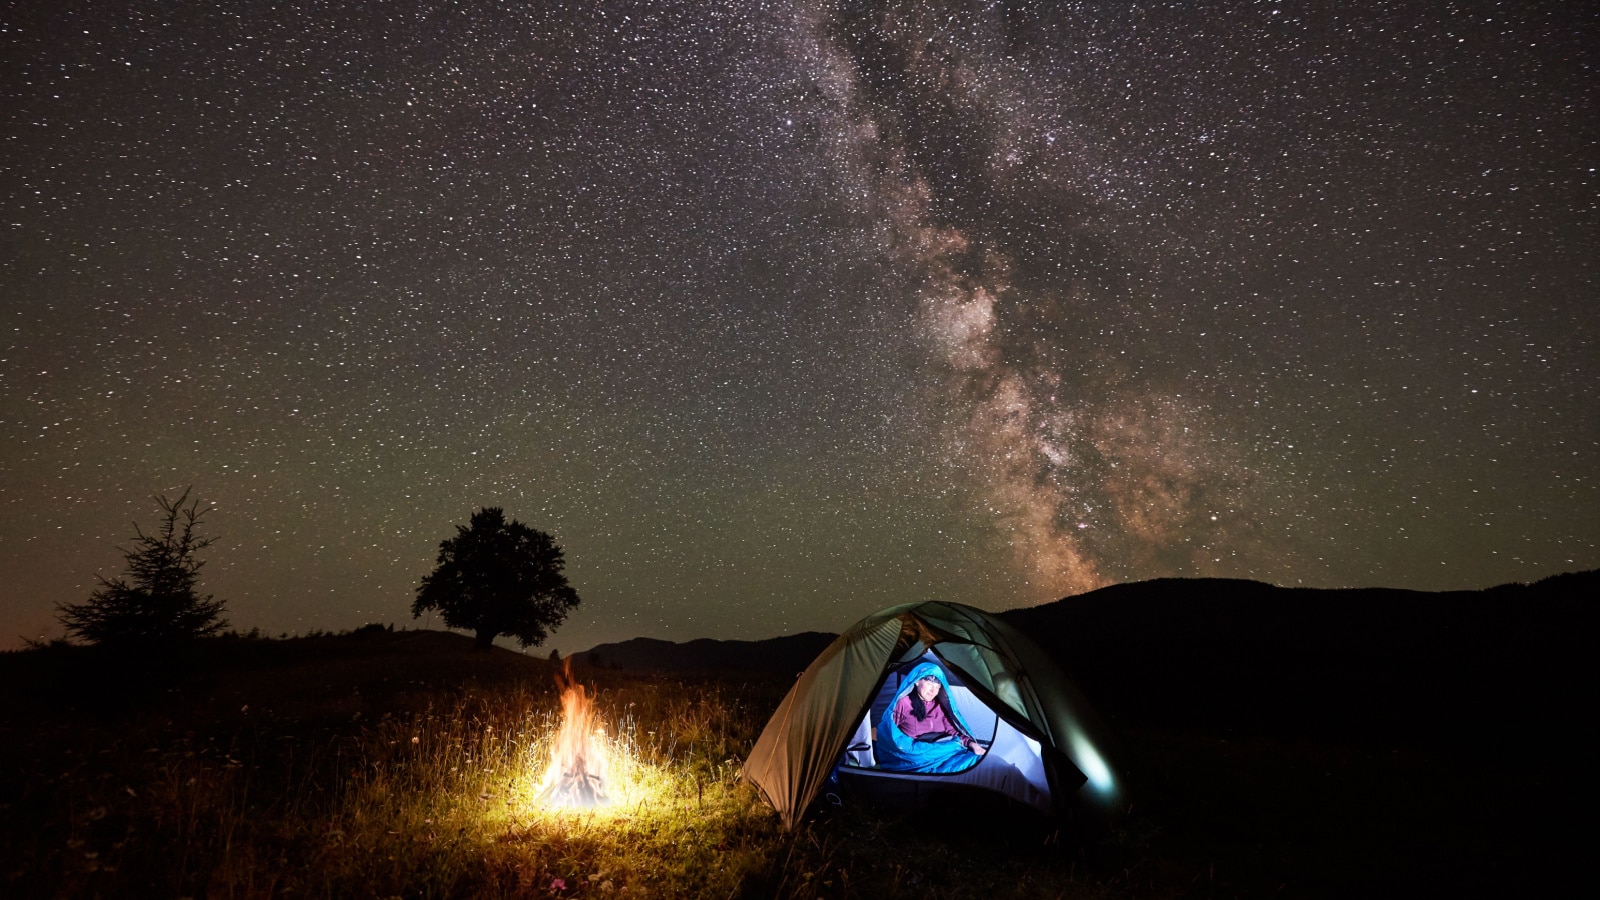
(404, 765)
(413, 774)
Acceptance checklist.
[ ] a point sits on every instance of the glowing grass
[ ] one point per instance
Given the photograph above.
(470, 779)
(419, 776)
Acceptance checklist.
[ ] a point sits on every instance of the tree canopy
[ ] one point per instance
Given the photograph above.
(157, 599)
(497, 577)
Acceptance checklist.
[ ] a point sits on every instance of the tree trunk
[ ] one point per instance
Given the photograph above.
(485, 639)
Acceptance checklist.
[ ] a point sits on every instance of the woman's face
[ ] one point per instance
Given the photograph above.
(927, 689)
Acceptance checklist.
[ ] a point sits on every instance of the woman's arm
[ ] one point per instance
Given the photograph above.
(902, 715)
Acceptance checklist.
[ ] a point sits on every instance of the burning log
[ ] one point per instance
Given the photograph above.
(577, 772)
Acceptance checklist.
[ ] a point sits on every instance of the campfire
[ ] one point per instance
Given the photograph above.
(577, 773)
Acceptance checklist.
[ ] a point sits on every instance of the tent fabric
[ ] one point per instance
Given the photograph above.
(821, 710)
(822, 715)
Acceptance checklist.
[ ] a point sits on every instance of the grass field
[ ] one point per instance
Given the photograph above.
(404, 765)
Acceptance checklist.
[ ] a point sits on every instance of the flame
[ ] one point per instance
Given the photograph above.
(578, 757)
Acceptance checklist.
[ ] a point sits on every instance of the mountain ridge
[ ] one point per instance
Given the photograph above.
(1239, 654)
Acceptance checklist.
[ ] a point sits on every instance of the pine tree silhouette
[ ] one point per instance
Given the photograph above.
(156, 600)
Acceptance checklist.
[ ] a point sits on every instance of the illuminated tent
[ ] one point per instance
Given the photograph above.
(1045, 747)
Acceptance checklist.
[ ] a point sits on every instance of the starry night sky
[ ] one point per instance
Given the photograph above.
(777, 313)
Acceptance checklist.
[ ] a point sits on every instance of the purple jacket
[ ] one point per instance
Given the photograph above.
(936, 722)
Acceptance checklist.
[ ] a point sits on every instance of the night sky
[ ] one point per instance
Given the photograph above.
(777, 313)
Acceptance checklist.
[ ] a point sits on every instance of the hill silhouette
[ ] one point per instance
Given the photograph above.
(789, 654)
(1221, 654)
(369, 662)
(1242, 654)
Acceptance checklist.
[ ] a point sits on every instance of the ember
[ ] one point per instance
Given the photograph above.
(577, 773)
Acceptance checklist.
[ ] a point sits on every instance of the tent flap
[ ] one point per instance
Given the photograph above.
(788, 762)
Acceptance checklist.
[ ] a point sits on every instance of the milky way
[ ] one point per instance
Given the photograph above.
(776, 313)
(1090, 474)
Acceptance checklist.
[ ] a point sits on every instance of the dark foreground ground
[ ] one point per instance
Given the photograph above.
(398, 764)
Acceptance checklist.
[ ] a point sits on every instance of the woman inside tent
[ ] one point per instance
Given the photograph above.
(925, 731)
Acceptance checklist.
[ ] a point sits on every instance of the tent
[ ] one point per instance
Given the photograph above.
(1042, 744)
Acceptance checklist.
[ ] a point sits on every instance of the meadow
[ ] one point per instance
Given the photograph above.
(403, 764)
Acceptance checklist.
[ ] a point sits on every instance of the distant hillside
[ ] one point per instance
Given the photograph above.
(1473, 665)
(782, 655)
(1222, 653)
(371, 662)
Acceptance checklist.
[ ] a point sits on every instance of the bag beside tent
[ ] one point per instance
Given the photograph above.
(1045, 746)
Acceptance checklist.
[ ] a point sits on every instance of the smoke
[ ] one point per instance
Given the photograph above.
(972, 187)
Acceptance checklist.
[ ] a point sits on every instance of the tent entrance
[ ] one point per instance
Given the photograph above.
(1013, 764)
(980, 718)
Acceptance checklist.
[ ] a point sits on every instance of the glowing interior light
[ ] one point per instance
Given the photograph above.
(1093, 766)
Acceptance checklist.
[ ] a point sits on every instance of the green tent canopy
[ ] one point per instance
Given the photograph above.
(1045, 747)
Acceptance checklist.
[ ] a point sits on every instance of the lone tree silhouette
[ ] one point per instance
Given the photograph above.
(497, 577)
(156, 600)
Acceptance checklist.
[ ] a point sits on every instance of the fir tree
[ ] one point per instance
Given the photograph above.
(157, 599)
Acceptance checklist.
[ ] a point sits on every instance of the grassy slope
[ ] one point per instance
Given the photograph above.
(400, 765)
